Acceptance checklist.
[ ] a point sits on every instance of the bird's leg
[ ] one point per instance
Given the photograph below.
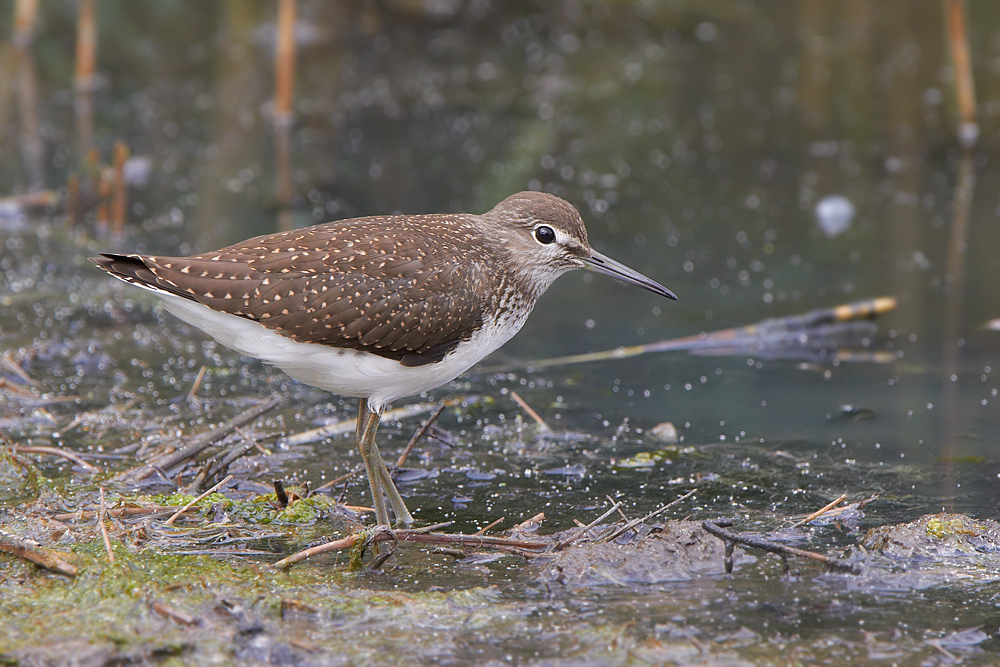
(367, 426)
(403, 516)
(379, 478)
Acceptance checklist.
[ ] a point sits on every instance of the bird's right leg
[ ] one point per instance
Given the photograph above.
(368, 421)
(403, 516)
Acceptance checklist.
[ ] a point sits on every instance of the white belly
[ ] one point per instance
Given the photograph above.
(344, 372)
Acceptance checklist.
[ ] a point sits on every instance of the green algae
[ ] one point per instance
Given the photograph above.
(650, 459)
(119, 608)
(946, 527)
(264, 509)
(110, 602)
(181, 499)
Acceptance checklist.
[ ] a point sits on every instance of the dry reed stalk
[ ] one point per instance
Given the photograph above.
(25, 13)
(958, 40)
(284, 79)
(86, 45)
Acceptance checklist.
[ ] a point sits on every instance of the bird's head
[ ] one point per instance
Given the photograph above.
(545, 237)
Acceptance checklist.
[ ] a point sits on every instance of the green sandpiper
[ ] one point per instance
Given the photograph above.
(379, 307)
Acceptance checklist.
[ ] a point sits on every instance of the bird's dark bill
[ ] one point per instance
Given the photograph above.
(599, 263)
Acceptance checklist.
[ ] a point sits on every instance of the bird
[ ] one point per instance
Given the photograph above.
(380, 307)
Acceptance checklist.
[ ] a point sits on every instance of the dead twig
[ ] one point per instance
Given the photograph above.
(732, 341)
(119, 191)
(7, 385)
(349, 425)
(484, 529)
(419, 434)
(55, 451)
(86, 45)
(215, 467)
(104, 529)
(948, 655)
(197, 383)
(730, 539)
(620, 512)
(84, 515)
(46, 558)
(215, 488)
(197, 445)
(8, 362)
(173, 614)
(583, 531)
(531, 413)
(523, 547)
(338, 480)
(25, 13)
(337, 545)
(658, 511)
(284, 70)
(820, 512)
(343, 543)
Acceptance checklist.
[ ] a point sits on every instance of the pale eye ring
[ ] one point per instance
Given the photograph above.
(545, 234)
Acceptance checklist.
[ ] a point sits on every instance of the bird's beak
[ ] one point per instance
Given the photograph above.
(599, 263)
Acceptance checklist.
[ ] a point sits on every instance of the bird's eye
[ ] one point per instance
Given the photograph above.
(544, 234)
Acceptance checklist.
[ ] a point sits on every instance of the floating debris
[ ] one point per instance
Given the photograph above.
(841, 333)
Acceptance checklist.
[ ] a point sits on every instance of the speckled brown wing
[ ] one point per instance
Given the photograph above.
(379, 285)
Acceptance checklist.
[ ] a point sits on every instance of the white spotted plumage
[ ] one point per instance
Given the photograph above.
(382, 307)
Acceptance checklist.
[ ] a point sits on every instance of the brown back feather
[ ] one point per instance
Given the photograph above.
(379, 285)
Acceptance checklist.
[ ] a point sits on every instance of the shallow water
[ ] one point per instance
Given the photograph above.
(697, 142)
